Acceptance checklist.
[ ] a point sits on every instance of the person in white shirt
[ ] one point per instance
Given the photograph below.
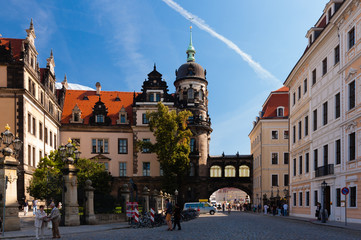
(40, 223)
(285, 208)
(265, 207)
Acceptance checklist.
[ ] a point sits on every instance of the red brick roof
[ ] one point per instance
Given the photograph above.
(278, 98)
(15, 46)
(73, 97)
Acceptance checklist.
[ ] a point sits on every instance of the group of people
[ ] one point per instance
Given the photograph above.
(276, 209)
(42, 220)
(176, 212)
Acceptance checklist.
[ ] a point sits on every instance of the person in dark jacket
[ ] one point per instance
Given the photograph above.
(177, 216)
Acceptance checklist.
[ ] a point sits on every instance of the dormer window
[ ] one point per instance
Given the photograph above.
(157, 97)
(151, 97)
(76, 115)
(280, 111)
(123, 116)
(99, 118)
(329, 14)
(310, 40)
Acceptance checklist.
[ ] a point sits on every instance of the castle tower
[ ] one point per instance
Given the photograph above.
(192, 95)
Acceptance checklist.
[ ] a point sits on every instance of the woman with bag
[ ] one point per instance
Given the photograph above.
(40, 222)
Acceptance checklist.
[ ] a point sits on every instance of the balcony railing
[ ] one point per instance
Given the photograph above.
(324, 170)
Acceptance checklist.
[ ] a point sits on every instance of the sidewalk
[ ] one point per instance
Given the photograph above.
(28, 229)
(350, 226)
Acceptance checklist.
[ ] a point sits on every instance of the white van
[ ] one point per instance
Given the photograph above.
(202, 207)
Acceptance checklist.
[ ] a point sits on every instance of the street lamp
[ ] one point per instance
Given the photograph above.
(323, 186)
(67, 151)
(7, 139)
(176, 196)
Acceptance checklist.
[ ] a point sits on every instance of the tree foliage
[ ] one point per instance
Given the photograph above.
(172, 144)
(47, 182)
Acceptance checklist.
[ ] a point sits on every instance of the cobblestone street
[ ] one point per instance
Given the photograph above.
(235, 226)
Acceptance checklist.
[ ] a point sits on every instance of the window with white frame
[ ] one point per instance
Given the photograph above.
(274, 134)
(146, 168)
(351, 95)
(351, 38)
(280, 111)
(352, 146)
(274, 158)
(100, 145)
(353, 197)
(122, 169)
(285, 134)
(274, 180)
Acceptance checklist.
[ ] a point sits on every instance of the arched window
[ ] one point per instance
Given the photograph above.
(243, 171)
(190, 93)
(216, 171)
(280, 111)
(230, 171)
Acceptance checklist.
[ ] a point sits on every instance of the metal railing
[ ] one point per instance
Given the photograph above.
(324, 170)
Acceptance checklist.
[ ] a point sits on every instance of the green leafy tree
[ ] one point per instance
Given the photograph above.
(47, 182)
(172, 144)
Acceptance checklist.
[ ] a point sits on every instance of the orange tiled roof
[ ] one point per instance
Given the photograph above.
(15, 46)
(73, 97)
(278, 98)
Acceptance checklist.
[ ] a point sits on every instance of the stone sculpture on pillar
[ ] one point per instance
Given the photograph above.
(8, 181)
(70, 190)
(89, 203)
(145, 194)
(124, 194)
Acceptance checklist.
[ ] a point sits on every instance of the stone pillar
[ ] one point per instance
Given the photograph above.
(89, 203)
(145, 194)
(124, 195)
(70, 196)
(155, 195)
(161, 199)
(8, 167)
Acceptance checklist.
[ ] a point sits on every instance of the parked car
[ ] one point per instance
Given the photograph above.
(201, 207)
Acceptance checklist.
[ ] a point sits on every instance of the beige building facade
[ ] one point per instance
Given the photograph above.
(269, 147)
(28, 99)
(324, 112)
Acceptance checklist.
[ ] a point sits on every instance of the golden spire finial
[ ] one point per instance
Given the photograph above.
(69, 140)
(7, 127)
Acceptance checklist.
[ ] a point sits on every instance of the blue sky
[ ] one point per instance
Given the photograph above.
(117, 43)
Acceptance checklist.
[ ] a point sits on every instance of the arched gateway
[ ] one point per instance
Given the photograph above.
(225, 171)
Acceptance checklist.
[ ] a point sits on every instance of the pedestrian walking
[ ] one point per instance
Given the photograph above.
(265, 208)
(40, 222)
(318, 211)
(168, 214)
(26, 207)
(35, 203)
(223, 207)
(285, 209)
(54, 216)
(229, 208)
(177, 216)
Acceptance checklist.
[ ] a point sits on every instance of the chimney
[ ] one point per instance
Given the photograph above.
(99, 88)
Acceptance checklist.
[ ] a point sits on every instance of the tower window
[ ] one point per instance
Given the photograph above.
(190, 93)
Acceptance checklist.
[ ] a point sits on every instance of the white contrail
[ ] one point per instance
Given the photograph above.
(202, 25)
